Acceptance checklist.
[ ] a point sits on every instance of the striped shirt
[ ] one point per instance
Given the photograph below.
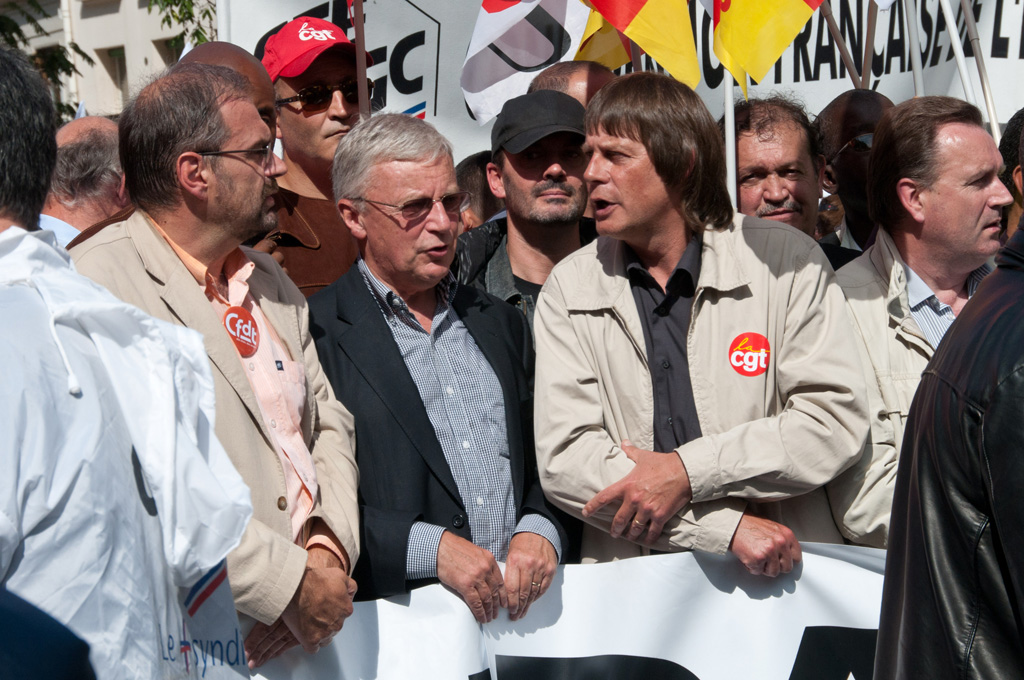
(932, 316)
(465, 405)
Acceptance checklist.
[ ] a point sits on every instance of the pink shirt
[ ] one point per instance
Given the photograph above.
(279, 384)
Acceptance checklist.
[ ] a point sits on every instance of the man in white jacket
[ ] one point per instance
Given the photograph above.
(114, 492)
(719, 339)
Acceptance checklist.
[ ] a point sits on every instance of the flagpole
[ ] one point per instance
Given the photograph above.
(910, 14)
(634, 55)
(729, 122)
(958, 51)
(844, 50)
(869, 45)
(979, 59)
(364, 95)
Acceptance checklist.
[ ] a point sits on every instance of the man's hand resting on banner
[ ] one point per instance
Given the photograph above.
(651, 494)
(315, 614)
(473, 573)
(529, 570)
(765, 547)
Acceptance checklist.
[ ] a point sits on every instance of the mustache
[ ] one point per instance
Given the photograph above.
(547, 185)
(788, 204)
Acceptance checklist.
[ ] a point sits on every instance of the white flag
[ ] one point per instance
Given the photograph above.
(884, 4)
(513, 40)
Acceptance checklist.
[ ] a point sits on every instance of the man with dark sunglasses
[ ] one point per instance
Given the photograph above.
(436, 375)
(312, 65)
(846, 127)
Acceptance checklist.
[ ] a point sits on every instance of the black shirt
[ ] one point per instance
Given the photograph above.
(665, 317)
(527, 287)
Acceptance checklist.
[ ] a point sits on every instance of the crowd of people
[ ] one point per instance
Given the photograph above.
(571, 348)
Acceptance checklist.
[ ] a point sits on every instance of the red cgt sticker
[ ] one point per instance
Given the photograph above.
(241, 326)
(749, 354)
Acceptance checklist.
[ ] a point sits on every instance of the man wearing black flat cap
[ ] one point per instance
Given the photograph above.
(537, 168)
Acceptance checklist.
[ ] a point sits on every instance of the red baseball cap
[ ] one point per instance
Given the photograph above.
(290, 51)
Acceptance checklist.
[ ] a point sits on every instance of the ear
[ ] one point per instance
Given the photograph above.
(494, 180)
(911, 196)
(1018, 180)
(123, 199)
(193, 175)
(829, 180)
(350, 216)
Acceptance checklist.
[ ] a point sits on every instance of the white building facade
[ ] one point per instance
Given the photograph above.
(125, 41)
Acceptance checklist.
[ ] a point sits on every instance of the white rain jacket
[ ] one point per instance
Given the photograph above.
(114, 491)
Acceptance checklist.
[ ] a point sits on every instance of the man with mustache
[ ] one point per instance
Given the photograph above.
(779, 168)
(537, 168)
(313, 67)
(935, 193)
(436, 375)
(199, 167)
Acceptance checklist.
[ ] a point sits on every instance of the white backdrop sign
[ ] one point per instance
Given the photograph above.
(684, 616)
(419, 47)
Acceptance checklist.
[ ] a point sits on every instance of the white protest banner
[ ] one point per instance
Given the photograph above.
(419, 47)
(685, 616)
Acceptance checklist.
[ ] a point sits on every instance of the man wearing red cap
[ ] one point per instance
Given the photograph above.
(312, 64)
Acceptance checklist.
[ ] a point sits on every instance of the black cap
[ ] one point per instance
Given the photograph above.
(528, 119)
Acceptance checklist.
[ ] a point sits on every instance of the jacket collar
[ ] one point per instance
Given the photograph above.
(889, 266)
(720, 270)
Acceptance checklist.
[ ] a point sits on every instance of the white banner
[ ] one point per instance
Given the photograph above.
(419, 47)
(685, 616)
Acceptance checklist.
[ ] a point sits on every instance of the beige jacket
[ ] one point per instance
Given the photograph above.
(137, 265)
(770, 441)
(894, 352)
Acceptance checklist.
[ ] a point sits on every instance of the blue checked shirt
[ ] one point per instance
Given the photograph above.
(933, 317)
(465, 405)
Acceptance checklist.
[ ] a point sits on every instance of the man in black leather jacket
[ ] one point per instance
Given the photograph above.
(954, 582)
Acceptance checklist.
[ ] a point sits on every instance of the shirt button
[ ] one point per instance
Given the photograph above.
(252, 366)
(449, 390)
(273, 423)
(479, 500)
(282, 503)
(665, 364)
(465, 445)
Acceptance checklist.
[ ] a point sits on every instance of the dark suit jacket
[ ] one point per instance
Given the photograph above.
(403, 475)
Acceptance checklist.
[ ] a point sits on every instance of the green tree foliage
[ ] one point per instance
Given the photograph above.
(197, 18)
(53, 62)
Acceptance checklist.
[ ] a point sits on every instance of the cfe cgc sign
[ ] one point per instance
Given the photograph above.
(419, 47)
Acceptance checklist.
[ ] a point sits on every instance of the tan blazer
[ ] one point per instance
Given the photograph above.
(137, 265)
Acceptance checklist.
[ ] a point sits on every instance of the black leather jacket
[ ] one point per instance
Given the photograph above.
(954, 582)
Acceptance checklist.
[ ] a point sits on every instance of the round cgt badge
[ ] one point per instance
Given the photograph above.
(241, 326)
(749, 354)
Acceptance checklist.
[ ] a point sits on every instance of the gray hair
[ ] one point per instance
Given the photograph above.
(384, 138)
(87, 169)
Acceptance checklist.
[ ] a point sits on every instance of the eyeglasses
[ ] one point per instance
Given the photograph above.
(859, 144)
(316, 98)
(265, 153)
(419, 208)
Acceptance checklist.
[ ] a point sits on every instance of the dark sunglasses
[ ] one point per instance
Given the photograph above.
(859, 144)
(316, 98)
(419, 208)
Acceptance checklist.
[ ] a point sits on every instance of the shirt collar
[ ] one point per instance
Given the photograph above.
(689, 262)
(237, 269)
(919, 293)
(392, 304)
